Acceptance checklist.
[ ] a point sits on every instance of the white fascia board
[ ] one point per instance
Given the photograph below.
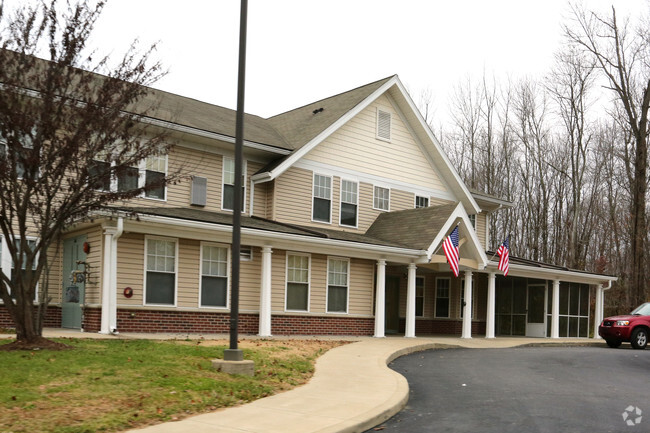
(299, 153)
(517, 270)
(160, 225)
(459, 212)
(451, 171)
(213, 135)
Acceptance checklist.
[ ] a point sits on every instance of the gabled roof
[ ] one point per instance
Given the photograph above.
(339, 109)
(301, 125)
(426, 228)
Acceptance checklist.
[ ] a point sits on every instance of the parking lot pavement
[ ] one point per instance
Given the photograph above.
(529, 389)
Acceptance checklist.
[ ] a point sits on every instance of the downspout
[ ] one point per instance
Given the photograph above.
(600, 307)
(113, 271)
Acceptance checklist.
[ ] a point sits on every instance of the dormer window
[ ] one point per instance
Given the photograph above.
(383, 124)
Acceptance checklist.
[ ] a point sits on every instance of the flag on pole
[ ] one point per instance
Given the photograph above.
(504, 256)
(450, 245)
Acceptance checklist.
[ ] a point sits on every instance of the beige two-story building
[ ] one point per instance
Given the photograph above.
(346, 204)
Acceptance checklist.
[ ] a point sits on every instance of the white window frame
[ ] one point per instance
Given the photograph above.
(415, 202)
(472, 219)
(286, 281)
(313, 182)
(142, 177)
(462, 298)
(356, 217)
(327, 291)
(390, 125)
(374, 196)
(144, 286)
(244, 174)
(435, 307)
(424, 289)
(228, 281)
(7, 265)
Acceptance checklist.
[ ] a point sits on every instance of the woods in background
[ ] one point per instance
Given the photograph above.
(570, 150)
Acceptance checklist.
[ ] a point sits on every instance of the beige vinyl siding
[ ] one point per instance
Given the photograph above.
(481, 228)
(192, 162)
(270, 199)
(433, 201)
(187, 273)
(401, 200)
(361, 287)
(278, 279)
(367, 215)
(400, 159)
(130, 268)
(293, 195)
(54, 283)
(250, 281)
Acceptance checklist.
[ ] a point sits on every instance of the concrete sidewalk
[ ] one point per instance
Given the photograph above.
(352, 389)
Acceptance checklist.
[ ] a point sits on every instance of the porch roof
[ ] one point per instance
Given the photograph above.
(257, 223)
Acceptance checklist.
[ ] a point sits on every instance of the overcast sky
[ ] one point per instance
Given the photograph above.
(300, 51)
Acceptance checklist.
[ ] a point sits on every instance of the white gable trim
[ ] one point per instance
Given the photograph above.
(438, 151)
(474, 244)
(448, 174)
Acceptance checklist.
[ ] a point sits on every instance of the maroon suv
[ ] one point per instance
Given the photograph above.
(633, 328)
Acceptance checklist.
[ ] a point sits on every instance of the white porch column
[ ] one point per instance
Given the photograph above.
(380, 299)
(410, 302)
(491, 300)
(109, 278)
(265, 293)
(467, 309)
(598, 313)
(106, 280)
(555, 310)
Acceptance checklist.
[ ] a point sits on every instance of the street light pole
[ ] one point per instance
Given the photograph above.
(233, 353)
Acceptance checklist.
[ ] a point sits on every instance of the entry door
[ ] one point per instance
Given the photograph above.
(535, 325)
(74, 293)
(392, 305)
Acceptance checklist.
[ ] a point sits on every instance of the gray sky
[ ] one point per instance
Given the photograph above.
(300, 51)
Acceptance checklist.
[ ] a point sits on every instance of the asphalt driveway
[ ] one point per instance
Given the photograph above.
(533, 389)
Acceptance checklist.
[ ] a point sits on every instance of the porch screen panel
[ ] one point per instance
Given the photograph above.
(574, 310)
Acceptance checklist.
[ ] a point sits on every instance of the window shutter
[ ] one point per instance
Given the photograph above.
(199, 191)
(383, 124)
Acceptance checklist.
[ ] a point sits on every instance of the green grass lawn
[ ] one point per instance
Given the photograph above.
(113, 385)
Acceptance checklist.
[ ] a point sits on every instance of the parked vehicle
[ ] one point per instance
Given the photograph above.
(633, 328)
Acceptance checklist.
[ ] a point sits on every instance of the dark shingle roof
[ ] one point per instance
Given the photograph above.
(415, 228)
(256, 223)
(301, 125)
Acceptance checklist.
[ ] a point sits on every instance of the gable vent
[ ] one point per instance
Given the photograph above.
(383, 124)
(199, 191)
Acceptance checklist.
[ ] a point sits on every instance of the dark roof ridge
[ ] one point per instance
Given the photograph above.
(331, 96)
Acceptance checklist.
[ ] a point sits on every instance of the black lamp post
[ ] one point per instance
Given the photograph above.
(233, 353)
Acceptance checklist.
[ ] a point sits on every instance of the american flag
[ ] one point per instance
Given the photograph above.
(450, 245)
(504, 256)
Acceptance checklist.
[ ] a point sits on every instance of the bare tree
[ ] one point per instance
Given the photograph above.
(66, 136)
(622, 55)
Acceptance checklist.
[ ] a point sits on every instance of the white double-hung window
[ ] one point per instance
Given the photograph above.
(161, 271)
(228, 190)
(214, 275)
(297, 296)
(381, 198)
(338, 271)
(349, 203)
(322, 198)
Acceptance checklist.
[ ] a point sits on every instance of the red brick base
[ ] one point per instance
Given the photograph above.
(52, 318)
(219, 323)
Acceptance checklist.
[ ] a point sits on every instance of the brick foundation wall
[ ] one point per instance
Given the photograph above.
(309, 325)
(219, 323)
(447, 327)
(52, 318)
